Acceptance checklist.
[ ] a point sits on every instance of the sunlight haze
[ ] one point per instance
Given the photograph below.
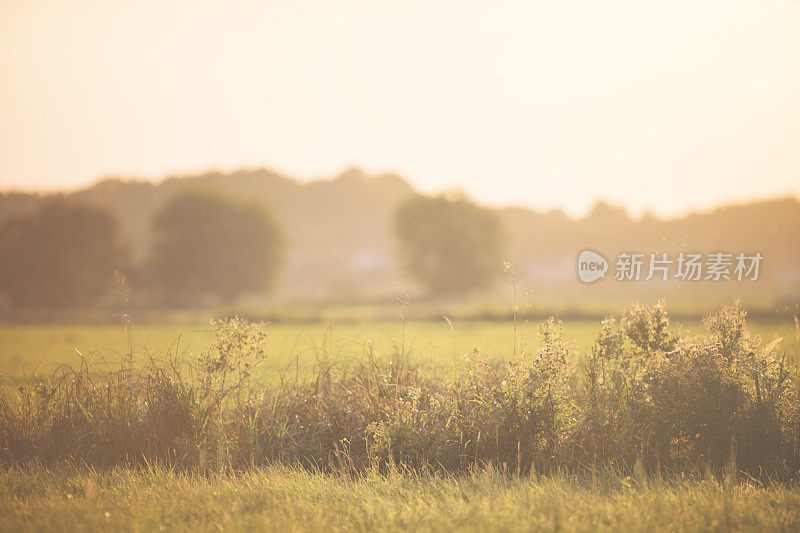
(660, 106)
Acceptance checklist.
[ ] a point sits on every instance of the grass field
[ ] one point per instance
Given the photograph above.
(277, 499)
(26, 349)
(143, 495)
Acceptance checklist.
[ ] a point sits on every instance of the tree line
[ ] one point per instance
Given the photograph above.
(206, 246)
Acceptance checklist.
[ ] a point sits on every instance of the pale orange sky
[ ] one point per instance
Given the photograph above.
(663, 106)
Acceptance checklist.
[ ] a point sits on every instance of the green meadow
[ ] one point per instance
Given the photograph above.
(28, 349)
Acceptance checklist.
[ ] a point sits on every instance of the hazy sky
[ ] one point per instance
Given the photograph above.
(656, 105)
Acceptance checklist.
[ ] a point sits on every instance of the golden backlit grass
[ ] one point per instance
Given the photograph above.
(282, 499)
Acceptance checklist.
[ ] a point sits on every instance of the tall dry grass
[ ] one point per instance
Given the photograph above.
(647, 399)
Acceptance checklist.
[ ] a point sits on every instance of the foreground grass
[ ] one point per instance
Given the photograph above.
(284, 499)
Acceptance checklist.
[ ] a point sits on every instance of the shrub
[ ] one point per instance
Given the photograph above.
(677, 402)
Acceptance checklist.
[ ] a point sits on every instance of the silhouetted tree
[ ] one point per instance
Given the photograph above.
(63, 255)
(448, 243)
(207, 244)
